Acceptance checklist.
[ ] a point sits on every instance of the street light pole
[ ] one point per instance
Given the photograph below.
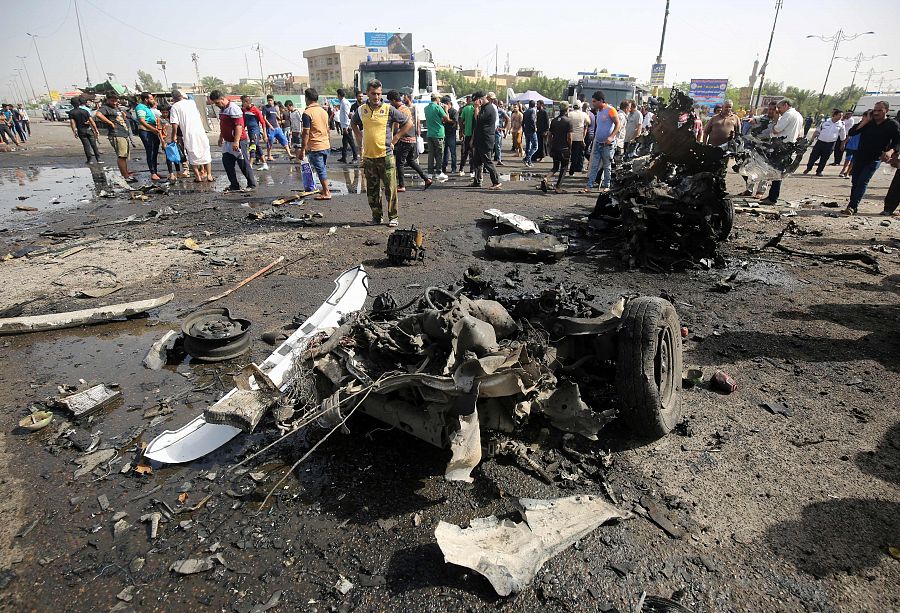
(762, 71)
(41, 62)
(81, 37)
(194, 58)
(873, 73)
(162, 64)
(859, 59)
(837, 39)
(662, 42)
(262, 82)
(24, 89)
(25, 66)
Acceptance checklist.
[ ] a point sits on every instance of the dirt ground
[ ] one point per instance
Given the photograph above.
(782, 512)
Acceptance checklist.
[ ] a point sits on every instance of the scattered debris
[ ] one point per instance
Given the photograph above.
(90, 461)
(154, 519)
(343, 586)
(196, 565)
(72, 319)
(36, 421)
(197, 438)
(27, 209)
(158, 354)
(859, 256)
(212, 335)
(522, 246)
(659, 516)
(509, 554)
(127, 594)
(405, 246)
(723, 382)
(90, 400)
(517, 222)
(777, 408)
(255, 275)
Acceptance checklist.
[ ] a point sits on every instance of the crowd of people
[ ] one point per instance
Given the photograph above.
(15, 125)
(592, 136)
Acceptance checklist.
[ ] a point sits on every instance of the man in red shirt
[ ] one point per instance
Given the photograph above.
(233, 140)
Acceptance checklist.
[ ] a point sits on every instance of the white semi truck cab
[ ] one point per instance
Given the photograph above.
(418, 79)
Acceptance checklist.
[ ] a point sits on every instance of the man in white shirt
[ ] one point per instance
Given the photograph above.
(849, 121)
(831, 131)
(579, 123)
(634, 126)
(347, 139)
(789, 127)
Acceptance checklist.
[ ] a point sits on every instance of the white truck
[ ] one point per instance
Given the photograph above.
(418, 79)
(614, 87)
(867, 102)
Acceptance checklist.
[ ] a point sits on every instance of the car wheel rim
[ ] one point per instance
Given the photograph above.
(664, 366)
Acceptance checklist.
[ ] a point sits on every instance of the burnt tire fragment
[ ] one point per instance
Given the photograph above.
(648, 371)
(722, 219)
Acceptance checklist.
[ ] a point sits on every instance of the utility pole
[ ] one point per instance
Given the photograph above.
(87, 77)
(41, 62)
(194, 58)
(262, 82)
(859, 59)
(662, 42)
(15, 88)
(162, 64)
(24, 89)
(837, 39)
(762, 71)
(496, 59)
(872, 73)
(25, 66)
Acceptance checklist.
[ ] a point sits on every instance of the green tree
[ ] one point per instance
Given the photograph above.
(210, 83)
(146, 82)
(330, 88)
(250, 89)
(549, 87)
(461, 85)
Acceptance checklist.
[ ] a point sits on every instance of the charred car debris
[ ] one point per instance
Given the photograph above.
(450, 364)
(670, 205)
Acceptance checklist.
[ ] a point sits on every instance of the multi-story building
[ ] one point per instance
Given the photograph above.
(338, 63)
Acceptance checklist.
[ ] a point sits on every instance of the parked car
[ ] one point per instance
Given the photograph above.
(62, 111)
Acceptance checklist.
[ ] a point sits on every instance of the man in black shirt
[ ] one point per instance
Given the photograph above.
(560, 143)
(113, 120)
(84, 129)
(879, 138)
(450, 130)
(483, 137)
(543, 125)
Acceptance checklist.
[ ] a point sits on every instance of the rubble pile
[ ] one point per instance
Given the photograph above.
(670, 206)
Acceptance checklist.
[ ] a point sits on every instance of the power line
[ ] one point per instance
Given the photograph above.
(154, 36)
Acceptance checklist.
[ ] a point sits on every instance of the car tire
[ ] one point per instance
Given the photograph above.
(722, 219)
(648, 370)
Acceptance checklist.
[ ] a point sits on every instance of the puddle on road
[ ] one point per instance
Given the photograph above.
(48, 188)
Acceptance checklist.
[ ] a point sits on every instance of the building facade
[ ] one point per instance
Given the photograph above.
(337, 63)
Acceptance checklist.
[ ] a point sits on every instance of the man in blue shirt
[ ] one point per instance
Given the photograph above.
(271, 113)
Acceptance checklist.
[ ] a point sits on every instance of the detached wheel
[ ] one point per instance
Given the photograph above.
(722, 219)
(648, 372)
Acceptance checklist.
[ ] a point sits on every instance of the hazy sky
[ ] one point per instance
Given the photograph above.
(703, 40)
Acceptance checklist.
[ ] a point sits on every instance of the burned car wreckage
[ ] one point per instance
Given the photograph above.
(670, 204)
(449, 364)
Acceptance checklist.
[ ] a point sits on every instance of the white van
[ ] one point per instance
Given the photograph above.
(868, 101)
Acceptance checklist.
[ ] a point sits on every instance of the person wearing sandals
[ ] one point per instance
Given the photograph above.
(315, 141)
(184, 118)
(406, 152)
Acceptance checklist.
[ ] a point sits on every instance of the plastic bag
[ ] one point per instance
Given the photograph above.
(309, 181)
(173, 154)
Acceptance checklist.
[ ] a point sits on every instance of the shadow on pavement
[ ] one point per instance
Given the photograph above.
(837, 536)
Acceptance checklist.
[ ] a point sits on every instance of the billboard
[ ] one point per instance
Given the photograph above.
(392, 42)
(708, 92)
(657, 75)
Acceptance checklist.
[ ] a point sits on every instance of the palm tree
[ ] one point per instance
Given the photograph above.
(210, 83)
